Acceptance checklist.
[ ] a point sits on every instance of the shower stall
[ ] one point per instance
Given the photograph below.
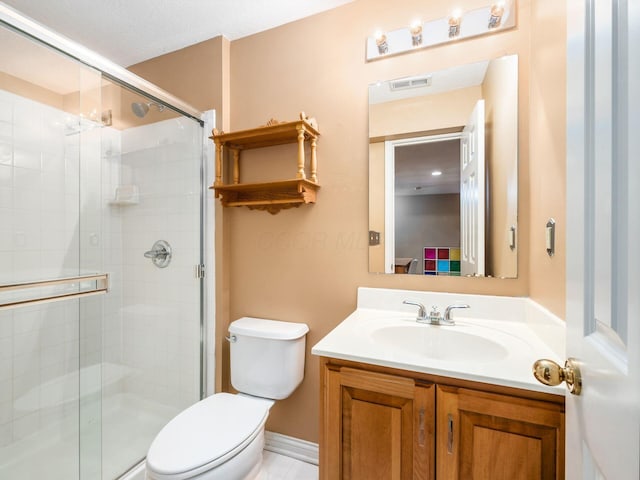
(102, 206)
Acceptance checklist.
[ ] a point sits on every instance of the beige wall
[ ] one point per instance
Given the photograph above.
(547, 125)
(27, 89)
(501, 124)
(198, 74)
(423, 114)
(305, 264)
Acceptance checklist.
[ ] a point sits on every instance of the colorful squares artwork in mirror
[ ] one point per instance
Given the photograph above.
(442, 261)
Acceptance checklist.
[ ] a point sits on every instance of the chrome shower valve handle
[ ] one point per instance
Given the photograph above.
(160, 254)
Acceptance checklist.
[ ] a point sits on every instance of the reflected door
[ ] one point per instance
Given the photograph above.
(472, 181)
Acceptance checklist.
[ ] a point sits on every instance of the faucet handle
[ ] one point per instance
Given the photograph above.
(421, 310)
(447, 311)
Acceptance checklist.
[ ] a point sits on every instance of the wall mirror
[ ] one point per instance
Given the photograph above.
(443, 172)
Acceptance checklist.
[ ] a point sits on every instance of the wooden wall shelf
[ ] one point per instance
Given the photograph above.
(276, 195)
(269, 196)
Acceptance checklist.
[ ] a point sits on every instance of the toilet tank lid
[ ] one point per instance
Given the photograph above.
(269, 329)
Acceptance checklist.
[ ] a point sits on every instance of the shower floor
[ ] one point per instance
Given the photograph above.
(129, 424)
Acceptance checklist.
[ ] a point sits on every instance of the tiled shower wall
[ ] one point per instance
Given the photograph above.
(161, 305)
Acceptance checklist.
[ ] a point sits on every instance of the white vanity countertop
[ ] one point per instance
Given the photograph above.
(499, 351)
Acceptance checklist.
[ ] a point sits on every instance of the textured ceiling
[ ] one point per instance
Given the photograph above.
(130, 31)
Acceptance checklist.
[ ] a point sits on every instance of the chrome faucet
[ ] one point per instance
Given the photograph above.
(434, 317)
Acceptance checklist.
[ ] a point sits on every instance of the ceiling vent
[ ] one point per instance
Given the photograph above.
(405, 83)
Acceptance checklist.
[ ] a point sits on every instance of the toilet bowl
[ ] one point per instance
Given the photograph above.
(222, 436)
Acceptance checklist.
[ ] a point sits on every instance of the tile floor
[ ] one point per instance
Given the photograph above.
(279, 467)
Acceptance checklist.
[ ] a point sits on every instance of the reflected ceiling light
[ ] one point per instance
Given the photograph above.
(416, 33)
(495, 17)
(454, 23)
(381, 43)
(436, 173)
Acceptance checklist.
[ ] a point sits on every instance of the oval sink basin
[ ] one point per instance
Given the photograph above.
(447, 344)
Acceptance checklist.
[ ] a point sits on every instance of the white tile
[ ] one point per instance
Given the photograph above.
(6, 175)
(6, 391)
(6, 369)
(27, 157)
(303, 471)
(6, 412)
(26, 320)
(281, 467)
(6, 348)
(6, 323)
(26, 364)
(6, 434)
(26, 426)
(6, 194)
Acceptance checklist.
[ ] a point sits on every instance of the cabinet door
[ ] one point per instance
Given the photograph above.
(483, 436)
(377, 426)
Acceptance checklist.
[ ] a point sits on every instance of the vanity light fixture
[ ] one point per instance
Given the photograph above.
(415, 29)
(454, 23)
(495, 17)
(381, 43)
(436, 173)
(490, 18)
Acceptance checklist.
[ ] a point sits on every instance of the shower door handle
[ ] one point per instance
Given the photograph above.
(101, 287)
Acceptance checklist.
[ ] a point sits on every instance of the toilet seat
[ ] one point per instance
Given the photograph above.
(206, 435)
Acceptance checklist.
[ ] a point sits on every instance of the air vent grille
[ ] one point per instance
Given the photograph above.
(406, 83)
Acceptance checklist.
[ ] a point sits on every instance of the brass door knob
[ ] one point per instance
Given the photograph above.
(550, 373)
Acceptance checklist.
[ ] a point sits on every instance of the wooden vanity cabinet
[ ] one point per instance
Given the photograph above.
(381, 423)
(377, 426)
(481, 435)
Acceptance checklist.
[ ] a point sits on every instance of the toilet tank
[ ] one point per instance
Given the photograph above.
(267, 356)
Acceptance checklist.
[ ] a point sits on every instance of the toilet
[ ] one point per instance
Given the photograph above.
(222, 436)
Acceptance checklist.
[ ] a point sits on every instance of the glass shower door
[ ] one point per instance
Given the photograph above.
(52, 283)
(101, 200)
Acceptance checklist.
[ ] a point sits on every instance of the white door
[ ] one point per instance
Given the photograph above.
(603, 232)
(472, 194)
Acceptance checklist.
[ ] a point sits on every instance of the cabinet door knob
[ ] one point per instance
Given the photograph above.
(550, 373)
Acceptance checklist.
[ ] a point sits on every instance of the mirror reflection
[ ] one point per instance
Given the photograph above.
(443, 154)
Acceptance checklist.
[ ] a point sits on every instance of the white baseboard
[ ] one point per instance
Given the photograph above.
(291, 447)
